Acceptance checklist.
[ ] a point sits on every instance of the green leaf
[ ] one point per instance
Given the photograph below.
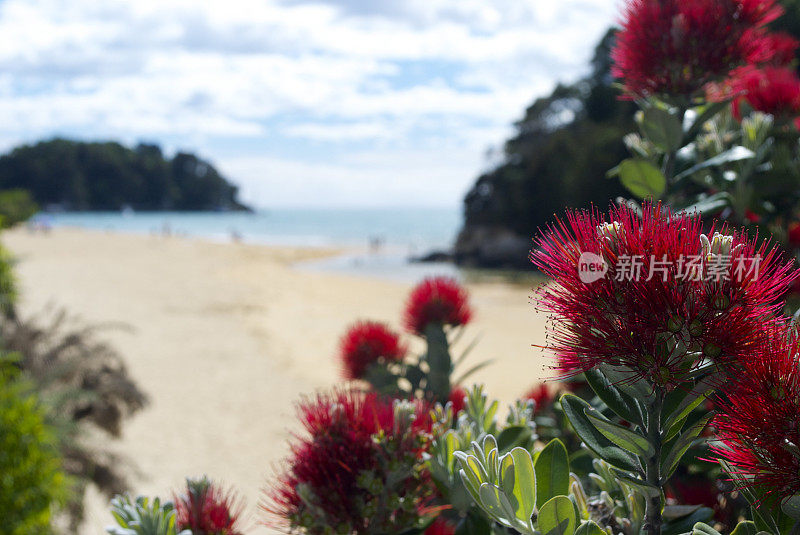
(706, 114)
(674, 429)
(685, 524)
(557, 517)
(626, 380)
(464, 354)
(573, 408)
(475, 523)
(552, 472)
(622, 404)
(662, 128)
(619, 435)
(672, 512)
(488, 445)
(512, 436)
(461, 378)
(745, 527)
(644, 488)
(679, 403)
(761, 154)
(711, 204)
(734, 154)
(701, 528)
(519, 483)
(472, 474)
(682, 445)
(491, 501)
(642, 178)
(590, 528)
(791, 506)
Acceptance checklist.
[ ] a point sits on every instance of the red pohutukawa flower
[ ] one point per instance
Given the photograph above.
(772, 90)
(441, 526)
(541, 395)
(207, 509)
(776, 49)
(676, 47)
(341, 473)
(458, 398)
(366, 343)
(649, 294)
(759, 421)
(437, 300)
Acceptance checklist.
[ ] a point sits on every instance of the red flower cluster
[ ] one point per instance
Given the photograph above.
(364, 344)
(759, 423)
(441, 526)
(676, 47)
(772, 90)
(339, 471)
(439, 300)
(541, 395)
(207, 509)
(668, 293)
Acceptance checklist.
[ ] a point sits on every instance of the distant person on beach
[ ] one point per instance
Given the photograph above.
(375, 244)
(40, 223)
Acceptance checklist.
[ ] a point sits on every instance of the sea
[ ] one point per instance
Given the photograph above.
(377, 242)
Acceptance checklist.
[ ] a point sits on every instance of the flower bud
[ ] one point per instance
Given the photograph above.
(611, 231)
(777, 392)
(695, 328)
(675, 323)
(662, 375)
(711, 350)
(720, 244)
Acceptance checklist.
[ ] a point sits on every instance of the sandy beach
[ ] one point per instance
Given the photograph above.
(224, 338)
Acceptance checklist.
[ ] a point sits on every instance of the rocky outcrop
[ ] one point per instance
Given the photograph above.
(491, 247)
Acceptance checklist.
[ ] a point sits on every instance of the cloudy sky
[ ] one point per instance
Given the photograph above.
(300, 102)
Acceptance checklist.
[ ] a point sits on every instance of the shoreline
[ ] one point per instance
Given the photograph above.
(402, 229)
(226, 337)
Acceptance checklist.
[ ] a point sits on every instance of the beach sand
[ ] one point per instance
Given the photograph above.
(224, 338)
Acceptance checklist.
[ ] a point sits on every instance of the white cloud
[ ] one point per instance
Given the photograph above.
(392, 74)
(375, 178)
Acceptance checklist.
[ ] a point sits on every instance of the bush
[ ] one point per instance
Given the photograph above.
(143, 517)
(16, 206)
(84, 386)
(8, 283)
(32, 483)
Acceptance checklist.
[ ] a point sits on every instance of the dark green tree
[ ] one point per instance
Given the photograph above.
(109, 176)
(563, 147)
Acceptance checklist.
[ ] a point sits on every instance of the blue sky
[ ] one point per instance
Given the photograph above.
(300, 102)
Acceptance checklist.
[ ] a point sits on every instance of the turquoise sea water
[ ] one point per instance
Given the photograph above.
(399, 233)
(414, 230)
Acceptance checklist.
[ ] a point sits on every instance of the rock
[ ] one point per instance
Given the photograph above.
(432, 256)
(492, 247)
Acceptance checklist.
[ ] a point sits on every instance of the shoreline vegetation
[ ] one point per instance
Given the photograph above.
(239, 320)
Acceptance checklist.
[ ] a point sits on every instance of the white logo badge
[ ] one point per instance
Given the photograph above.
(591, 267)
